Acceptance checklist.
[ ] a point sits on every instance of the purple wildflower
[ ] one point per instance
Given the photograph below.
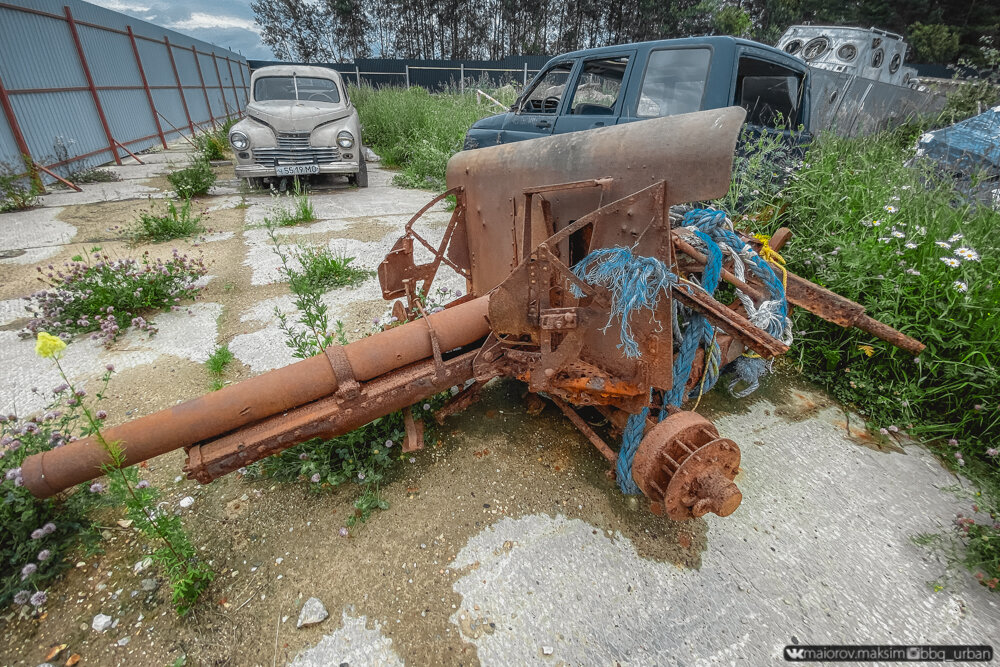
(992, 451)
(303, 456)
(37, 534)
(38, 599)
(388, 444)
(143, 484)
(44, 554)
(22, 597)
(343, 532)
(953, 442)
(110, 367)
(883, 431)
(96, 487)
(101, 414)
(49, 528)
(361, 476)
(12, 473)
(315, 478)
(894, 429)
(28, 570)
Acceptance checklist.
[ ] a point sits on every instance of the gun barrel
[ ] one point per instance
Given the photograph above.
(339, 369)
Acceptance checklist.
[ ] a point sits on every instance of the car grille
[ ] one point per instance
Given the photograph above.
(294, 148)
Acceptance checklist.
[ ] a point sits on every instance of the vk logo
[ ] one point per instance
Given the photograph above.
(794, 653)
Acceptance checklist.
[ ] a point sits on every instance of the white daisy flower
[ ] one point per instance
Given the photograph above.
(943, 244)
(890, 208)
(967, 254)
(950, 261)
(955, 237)
(911, 245)
(960, 286)
(876, 223)
(898, 234)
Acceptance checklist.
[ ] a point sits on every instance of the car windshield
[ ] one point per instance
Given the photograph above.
(292, 88)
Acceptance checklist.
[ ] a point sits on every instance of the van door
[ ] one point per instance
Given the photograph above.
(537, 109)
(773, 94)
(598, 93)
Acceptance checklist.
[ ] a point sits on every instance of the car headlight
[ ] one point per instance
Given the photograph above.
(239, 140)
(345, 139)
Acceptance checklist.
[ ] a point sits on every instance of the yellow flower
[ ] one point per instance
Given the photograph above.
(867, 349)
(48, 345)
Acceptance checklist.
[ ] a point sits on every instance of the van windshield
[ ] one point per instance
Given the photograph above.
(296, 88)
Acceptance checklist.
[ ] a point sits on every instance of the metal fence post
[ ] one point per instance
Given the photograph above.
(357, 75)
(232, 82)
(145, 85)
(407, 76)
(222, 91)
(90, 83)
(246, 92)
(180, 88)
(197, 64)
(461, 80)
(525, 83)
(22, 145)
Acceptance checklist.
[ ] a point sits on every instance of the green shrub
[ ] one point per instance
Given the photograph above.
(301, 211)
(217, 363)
(107, 296)
(323, 270)
(172, 224)
(18, 188)
(92, 175)
(214, 144)
(416, 130)
(36, 535)
(194, 180)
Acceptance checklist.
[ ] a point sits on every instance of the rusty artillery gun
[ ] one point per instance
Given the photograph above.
(526, 214)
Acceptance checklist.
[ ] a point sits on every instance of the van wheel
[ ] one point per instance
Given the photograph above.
(361, 178)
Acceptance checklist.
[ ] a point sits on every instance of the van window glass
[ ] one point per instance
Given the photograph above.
(674, 82)
(771, 94)
(310, 89)
(548, 92)
(599, 86)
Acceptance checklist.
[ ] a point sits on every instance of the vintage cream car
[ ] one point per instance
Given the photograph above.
(299, 122)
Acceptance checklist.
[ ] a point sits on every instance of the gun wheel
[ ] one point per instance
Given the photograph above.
(686, 469)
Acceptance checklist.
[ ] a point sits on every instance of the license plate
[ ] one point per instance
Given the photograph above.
(297, 169)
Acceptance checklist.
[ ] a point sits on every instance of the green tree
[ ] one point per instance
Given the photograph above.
(933, 42)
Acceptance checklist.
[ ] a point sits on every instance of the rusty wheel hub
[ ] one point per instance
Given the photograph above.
(686, 469)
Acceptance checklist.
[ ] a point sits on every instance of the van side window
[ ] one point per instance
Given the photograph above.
(770, 93)
(674, 82)
(548, 92)
(599, 86)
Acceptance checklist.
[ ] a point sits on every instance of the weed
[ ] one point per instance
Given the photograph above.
(92, 175)
(194, 180)
(188, 577)
(18, 189)
(37, 534)
(217, 363)
(301, 211)
(107, 296)
(323, 270)
(171, 224)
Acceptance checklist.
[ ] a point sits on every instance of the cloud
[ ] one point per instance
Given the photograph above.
(231, 25)
(202, 21)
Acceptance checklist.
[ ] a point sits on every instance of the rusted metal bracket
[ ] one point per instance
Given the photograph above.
(584, 428)
(347, 387)
(414, 428)
(459, 401)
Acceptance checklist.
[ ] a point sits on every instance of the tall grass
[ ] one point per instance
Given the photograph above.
(922, 258)
(415, 130)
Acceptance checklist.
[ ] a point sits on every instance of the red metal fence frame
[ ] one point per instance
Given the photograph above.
(113, 144)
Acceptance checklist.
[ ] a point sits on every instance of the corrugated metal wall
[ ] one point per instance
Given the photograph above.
(52, 111)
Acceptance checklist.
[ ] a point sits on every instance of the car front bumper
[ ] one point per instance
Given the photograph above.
(258, 171)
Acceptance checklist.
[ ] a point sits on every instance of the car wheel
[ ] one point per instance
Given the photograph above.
(361, 178)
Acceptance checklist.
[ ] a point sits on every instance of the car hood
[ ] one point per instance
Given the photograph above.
(296, 116)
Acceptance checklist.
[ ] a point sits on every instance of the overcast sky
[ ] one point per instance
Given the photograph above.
(225, 23)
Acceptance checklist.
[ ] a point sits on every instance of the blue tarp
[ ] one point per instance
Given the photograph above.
(970, 147)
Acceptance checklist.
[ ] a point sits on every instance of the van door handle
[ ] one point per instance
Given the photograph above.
(599, 123)
(542, 123)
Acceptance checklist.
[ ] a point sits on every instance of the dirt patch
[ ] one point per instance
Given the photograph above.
(273, 546)
(367, 229)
